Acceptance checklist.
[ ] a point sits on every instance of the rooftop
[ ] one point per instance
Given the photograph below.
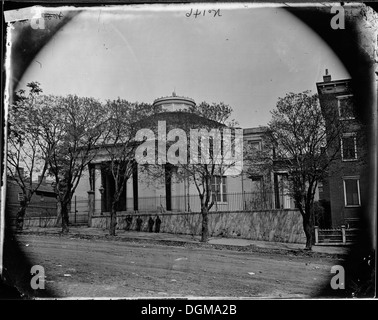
(260, 129)
(174, 96)
(327, 80)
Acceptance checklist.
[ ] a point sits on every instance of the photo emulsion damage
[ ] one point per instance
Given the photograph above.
(213, 151)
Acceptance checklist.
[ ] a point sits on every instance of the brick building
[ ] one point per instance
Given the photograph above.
(347, 172)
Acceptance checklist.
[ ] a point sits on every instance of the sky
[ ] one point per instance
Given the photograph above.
(246, 57)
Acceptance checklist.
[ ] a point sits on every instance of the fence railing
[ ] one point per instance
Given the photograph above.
(246, 201)
(231, 202)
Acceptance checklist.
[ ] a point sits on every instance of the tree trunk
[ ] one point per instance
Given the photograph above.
(307, 227)
(20, 217)
(113, 220)
(58, 213)
(65, 219)
(205, 227)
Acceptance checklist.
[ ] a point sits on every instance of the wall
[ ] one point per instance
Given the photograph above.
(339, 211)
(268, 225)
(43, 222)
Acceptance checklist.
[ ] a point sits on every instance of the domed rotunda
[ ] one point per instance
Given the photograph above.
(174, 103)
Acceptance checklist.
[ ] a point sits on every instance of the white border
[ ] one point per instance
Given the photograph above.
(4, 177)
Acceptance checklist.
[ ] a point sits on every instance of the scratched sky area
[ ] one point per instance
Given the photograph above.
(247, 57)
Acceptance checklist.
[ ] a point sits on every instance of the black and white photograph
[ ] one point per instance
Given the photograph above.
(189, 150)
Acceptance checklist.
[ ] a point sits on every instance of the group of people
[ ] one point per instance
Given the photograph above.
(139, 222)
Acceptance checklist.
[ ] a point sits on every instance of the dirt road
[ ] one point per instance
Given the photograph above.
(105, 268)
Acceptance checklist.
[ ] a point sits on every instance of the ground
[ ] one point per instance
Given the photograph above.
(104, 267)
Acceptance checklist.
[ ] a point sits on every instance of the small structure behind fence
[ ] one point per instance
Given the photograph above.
(46, 214)
(335, 236)
(43, 214)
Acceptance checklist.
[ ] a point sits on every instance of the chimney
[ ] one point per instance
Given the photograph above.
(326, 77)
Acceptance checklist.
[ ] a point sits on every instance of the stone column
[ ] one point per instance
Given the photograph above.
(316, 228)
(91, 204)
(97, 209)
(343, 234)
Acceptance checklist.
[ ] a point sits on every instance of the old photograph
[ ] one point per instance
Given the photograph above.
(198, 150)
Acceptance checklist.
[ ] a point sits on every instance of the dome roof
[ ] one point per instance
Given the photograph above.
(174, 102)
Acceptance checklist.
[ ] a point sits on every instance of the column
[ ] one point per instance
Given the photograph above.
(96, 190)
(91, 198)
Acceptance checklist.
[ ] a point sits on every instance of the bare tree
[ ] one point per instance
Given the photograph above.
(203, 152)
(28, 154)
(210, 172)
(71, 127)
(305, 148)
(122, 123)
(219, 112)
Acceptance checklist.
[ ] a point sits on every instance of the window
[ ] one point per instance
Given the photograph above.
(349, 147)
(219, 189)
(254, 145)
(352, 192)
(345, 107)
(283, 199)
(20, 197)
(320, 187)
(257, 183)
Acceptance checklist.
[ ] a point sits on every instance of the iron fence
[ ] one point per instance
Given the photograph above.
(231, 202)
(45, 213)
(224, 202)
(246, 201)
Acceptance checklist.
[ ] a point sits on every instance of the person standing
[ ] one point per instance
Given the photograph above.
(157, 224)
(138, 223)
(129, 220)
(150, 224)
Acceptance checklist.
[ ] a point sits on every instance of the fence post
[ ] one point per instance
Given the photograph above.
(343, 234)
(75, 209)
(316, 234)
(91, 200)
